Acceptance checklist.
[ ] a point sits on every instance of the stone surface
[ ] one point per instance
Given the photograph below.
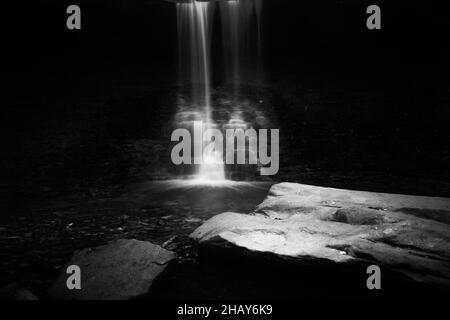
(405, 233)
(13, 291)
(24, 294)
(120, 270)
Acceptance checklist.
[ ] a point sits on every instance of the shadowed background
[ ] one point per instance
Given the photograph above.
(87, 112)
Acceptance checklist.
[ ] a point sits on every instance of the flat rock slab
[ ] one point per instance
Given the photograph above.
(120, 270)
(409, 234)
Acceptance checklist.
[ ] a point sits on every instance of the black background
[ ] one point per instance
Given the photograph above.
(381, 96)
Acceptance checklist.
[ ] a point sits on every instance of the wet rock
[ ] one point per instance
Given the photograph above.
(120, 270)
(343, 226)
(169, 242)
(23, 294)
(13, 291)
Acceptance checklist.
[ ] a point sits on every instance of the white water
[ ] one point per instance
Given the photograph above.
(241, 33)
(194, 39)
(194, 31)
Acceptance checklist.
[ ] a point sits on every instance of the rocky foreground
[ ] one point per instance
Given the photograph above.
(408, 234)
(123, 269)
(300, 242)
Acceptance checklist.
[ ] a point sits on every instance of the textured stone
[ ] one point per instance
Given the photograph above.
(24, 294)
(307, 222)
(120, 270)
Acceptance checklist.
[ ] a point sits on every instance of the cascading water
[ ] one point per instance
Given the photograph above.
(194, 24)
(194, 20)
(238, 33)
(258, 10)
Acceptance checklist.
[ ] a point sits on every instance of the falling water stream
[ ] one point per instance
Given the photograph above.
(194, 29)
(194, 20)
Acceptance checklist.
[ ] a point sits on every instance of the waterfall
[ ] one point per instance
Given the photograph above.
(194, 20)
(238, 33)
(258, 9)
(231, 41)
(194, 24)
(194, 38)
